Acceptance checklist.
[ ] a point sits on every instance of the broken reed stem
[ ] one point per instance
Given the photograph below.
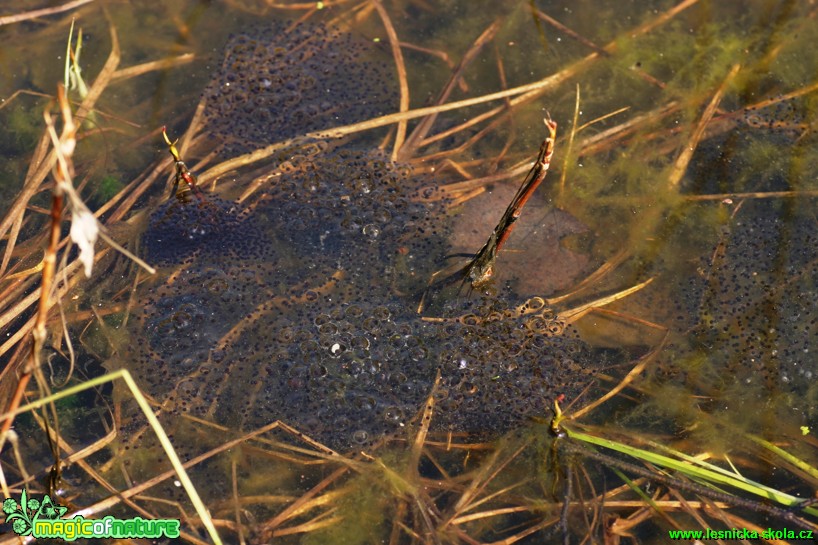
(62, 170)
(540, 169)
(481, 268)
(49, 272)
(38, 332)
(144, 68)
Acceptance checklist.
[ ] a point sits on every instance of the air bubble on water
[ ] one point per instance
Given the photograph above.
(371, 231)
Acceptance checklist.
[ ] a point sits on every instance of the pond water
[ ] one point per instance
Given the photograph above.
(289, 287)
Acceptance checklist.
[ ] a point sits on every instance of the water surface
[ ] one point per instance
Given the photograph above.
(716, 205)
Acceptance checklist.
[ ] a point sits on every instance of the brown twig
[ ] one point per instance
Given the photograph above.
(62, 170)
(480, 270)
(28, 15)
(144, 68)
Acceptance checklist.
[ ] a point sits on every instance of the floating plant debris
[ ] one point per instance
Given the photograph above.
(300, 306)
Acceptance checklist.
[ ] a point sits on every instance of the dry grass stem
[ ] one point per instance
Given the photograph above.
(324, 520)
(302, 503)
(727, 198)
(423, 430)
(683, 160)
(338, 132)
(573, 314)
(145, 68)
(37, 13)
(486, 475)
(615, 136)
(568, 32)
(632, 375)
(442, 55)
(403, 84)
(419, 133)
(569, 148)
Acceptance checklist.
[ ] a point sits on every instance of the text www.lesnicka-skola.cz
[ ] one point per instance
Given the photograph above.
(742, 533)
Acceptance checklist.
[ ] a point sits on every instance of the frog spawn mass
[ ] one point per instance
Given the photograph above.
(306, 313)
(301, 306)
(755, 312)
(283, 81)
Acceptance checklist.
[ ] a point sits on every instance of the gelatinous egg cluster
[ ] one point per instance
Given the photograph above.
(301, 303)
(287, 80)
(754, 310)
(305, 311)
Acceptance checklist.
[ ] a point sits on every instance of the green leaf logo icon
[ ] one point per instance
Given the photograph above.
(18, 514)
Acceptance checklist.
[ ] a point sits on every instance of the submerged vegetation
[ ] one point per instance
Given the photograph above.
(274, 379)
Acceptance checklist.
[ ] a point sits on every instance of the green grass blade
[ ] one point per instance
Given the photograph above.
(65, 81)
(778, 451)
(693, 468)
(164, 440)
